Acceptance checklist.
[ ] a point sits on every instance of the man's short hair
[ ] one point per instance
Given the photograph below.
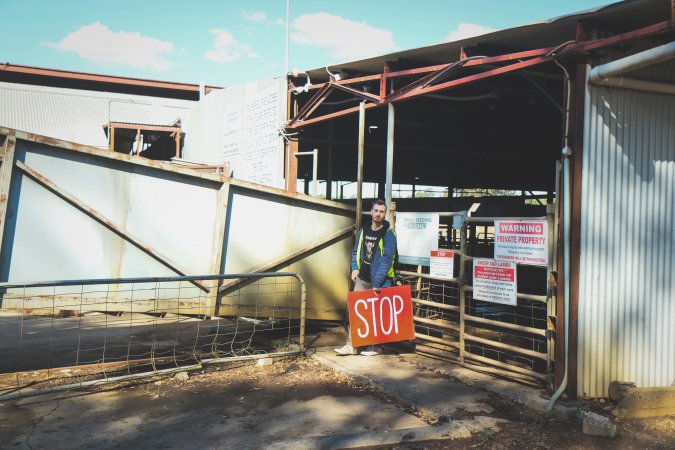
(378, 202)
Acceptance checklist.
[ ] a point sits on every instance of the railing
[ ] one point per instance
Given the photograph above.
(59, 335)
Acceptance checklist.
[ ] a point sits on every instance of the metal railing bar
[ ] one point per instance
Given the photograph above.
(508, 367)
(511, 348)
(425, 337)
(492, 219)
(435, 304)
(438, 323)
(427, 276)
(91, 281)
(510, 326)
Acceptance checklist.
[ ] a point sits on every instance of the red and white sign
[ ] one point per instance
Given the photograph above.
(524, 242)
(495, 281)
(376, 318)
(442, 264)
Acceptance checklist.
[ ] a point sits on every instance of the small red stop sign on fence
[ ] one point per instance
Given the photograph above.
(376, 318)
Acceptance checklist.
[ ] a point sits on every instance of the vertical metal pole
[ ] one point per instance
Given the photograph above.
(315, 171)
(292, 170)
(288, 24)
(303, 309)
(359, 173)
(462, 293)
(550, 208)
(6, 181)
(390, 154)
(329, 165)
(138, 142)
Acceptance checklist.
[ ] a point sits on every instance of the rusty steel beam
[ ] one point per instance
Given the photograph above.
(218, 243)
(612, 40)
(344, 112)
(61, 145)
(347, 81)
(537, 56)
(102, 78)
(476, 77)
(309, 249)
(136, 126)
(435, 68)
(312, 104)
(362, 94)
(6, 179)
(103, 220)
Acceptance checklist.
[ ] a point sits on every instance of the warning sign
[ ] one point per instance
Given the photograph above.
(524, 242)
(442, 264)
(495, 281)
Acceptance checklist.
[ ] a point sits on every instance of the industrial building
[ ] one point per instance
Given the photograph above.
(569, 122)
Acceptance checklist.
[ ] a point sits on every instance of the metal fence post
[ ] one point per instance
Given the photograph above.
(303, 306)
(462, 292)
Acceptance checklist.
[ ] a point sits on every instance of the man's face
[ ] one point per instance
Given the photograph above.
(378, 212)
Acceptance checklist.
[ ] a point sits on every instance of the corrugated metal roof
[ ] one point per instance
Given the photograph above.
(80, 116)
(626, 308)
(629, 14)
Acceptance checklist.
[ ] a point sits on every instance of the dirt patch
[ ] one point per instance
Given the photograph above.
(528, 429)
(237, 405)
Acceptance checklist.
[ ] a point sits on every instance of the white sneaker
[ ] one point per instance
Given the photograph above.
(345, 350)
(372, 350)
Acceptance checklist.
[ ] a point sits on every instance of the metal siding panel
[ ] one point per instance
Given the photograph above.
(241, 125)
(77, 115)
(263, 228)
(626, 307)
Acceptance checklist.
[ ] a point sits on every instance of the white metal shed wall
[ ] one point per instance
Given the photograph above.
(78, 115)
(626, 287)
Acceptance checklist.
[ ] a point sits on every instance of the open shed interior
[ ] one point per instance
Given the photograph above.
(496, 137)
(500, 137)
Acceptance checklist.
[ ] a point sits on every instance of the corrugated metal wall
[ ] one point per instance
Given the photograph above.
(78, 115)
(626, 290)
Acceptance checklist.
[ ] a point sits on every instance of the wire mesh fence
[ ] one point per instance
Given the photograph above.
(63, 334)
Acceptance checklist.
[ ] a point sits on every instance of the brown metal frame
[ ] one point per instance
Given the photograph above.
(424, 85)
(29, 70)
(175, 133)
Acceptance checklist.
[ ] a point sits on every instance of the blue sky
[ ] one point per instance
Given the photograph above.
(230, 42)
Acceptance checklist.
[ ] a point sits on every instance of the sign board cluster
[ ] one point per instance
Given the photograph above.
(516, 242)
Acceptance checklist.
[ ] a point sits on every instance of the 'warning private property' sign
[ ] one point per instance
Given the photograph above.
(379, 317)
(523, 242)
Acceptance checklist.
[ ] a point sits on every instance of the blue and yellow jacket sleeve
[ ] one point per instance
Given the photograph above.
(383, 262)
(356, 252)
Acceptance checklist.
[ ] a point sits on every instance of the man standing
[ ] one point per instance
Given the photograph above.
(372, 264)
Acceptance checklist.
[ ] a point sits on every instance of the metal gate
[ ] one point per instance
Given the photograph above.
(100, 331)
(512, 341)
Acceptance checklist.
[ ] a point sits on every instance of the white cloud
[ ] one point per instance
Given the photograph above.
(226, 48)
(96, 42)
(467, 30)
(342, 38)
(254, 16)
